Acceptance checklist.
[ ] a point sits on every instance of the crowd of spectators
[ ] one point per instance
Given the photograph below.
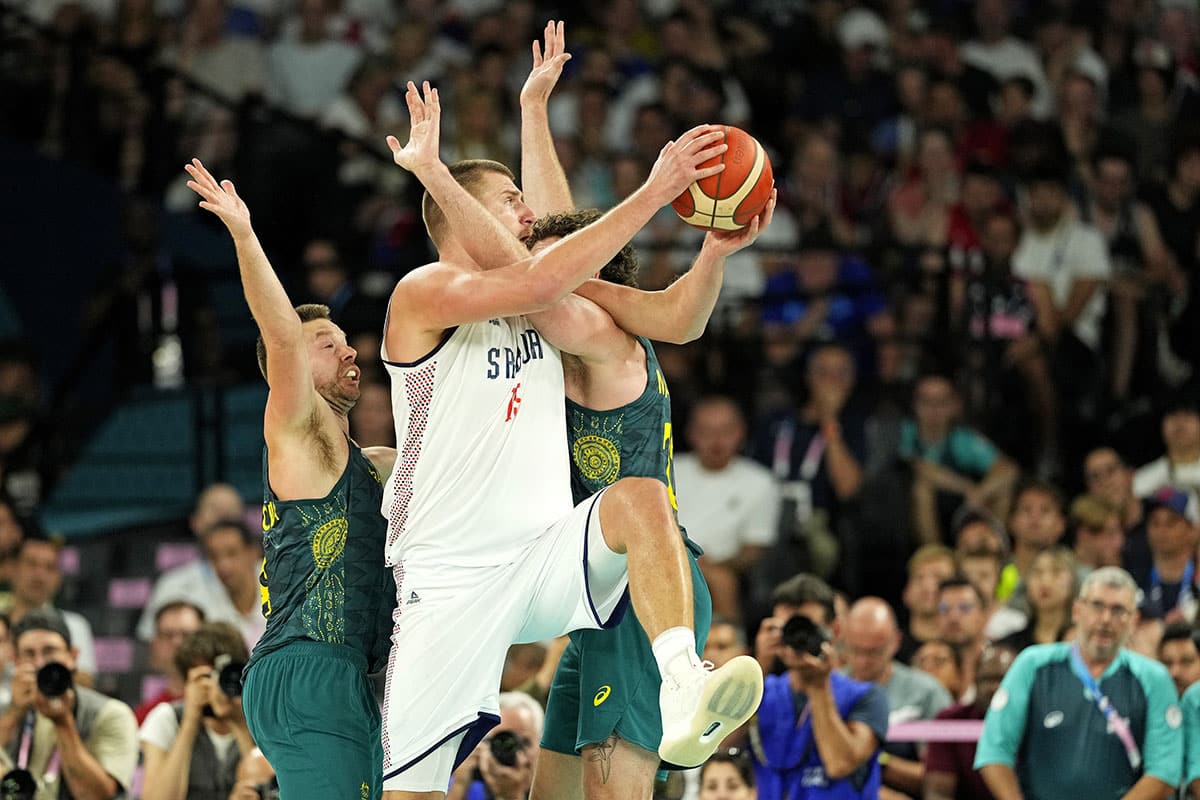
(968, 343)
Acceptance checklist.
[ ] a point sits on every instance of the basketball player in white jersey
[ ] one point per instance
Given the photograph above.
(594, 752)
(486, 546)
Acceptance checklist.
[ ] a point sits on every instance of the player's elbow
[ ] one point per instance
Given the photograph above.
(688, 334)
(545, 294)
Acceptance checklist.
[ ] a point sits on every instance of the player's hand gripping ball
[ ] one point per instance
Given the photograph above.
(728, 200)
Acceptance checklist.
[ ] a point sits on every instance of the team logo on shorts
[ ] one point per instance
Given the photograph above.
(329, 541)
(598, 459)
(601, 695)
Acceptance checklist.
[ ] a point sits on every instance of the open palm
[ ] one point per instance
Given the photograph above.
(548, 67)
(425, 115)
(220, 198)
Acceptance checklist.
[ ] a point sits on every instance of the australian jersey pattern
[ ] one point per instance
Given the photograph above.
(322, 578)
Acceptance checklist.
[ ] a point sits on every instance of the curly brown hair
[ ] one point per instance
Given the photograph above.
(622, 269)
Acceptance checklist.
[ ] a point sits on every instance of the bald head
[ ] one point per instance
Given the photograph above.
(219, 502)
(871, 614)
(870, 639)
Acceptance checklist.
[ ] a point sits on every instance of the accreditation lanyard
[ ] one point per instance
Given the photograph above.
(1116, 723)
(1185, 587)
(781, 462)
(25, 751)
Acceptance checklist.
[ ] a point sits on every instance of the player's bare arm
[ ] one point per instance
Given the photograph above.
(292, 399)
(679, 313)
(382, 458)
(542, 177)
(436, 297)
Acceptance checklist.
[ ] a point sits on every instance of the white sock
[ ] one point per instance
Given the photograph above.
(675, 650)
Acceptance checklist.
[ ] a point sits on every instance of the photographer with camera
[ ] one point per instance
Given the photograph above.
(61, 741)
(501, 767)
(192, 747)
(817, 732)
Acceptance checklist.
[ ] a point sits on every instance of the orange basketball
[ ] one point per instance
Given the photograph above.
(728, 200)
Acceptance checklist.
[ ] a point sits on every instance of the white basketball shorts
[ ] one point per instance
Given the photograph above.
(453, 628)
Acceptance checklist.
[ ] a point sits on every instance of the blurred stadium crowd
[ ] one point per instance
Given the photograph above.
(972, 332)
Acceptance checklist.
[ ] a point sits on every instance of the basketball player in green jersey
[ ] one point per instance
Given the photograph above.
(326, 595)
(603, 724)
(602, 718)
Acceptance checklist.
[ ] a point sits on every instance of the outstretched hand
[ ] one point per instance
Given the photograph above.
(678, 164)
(726, 243)
(425, 115)
(219, 198)
(548, 67)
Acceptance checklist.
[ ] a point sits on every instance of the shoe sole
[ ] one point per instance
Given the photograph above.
(729, 699)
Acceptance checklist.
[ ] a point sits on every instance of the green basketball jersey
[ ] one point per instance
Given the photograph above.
(634, 440)
(323, 577)
(608, 681)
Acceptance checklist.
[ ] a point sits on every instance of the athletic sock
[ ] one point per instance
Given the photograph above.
(675, 651)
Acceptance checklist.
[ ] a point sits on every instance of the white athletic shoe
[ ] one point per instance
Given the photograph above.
(703, 706)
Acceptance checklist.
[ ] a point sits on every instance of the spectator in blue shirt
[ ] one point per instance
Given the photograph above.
(828, 296)
(817, 733)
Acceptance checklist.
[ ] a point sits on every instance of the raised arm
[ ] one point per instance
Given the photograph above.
(439, 299)
(542, 177)
(292, 398)
(679, 313)
(490, 243)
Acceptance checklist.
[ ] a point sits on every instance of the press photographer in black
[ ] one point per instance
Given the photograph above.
(501, 767)
(192, 747)
(817, 732)
(61, 741)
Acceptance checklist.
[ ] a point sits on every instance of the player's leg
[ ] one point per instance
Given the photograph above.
(312, 713)
(451, 633)
(558, 776)
(426, 779)
(637, 521)
(615, 769)
(558, 772)
(698, 708)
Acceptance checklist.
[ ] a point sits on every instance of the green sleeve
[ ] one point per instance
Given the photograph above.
(1004, 725)
(1191, 734)
(1162, 747)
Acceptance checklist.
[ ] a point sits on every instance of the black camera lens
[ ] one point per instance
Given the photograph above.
(803, 635)
(229, 675)
(17, 784)
(53, 680)
(505, 746)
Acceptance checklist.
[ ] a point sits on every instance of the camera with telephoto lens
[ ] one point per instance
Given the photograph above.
(229, 675)
(505, 746)
(53, 680)
(804, 636)
(17, 784)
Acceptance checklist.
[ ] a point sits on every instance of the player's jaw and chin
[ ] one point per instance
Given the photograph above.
(342, 391)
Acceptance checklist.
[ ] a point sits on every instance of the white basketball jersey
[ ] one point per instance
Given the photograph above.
(481, 465)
